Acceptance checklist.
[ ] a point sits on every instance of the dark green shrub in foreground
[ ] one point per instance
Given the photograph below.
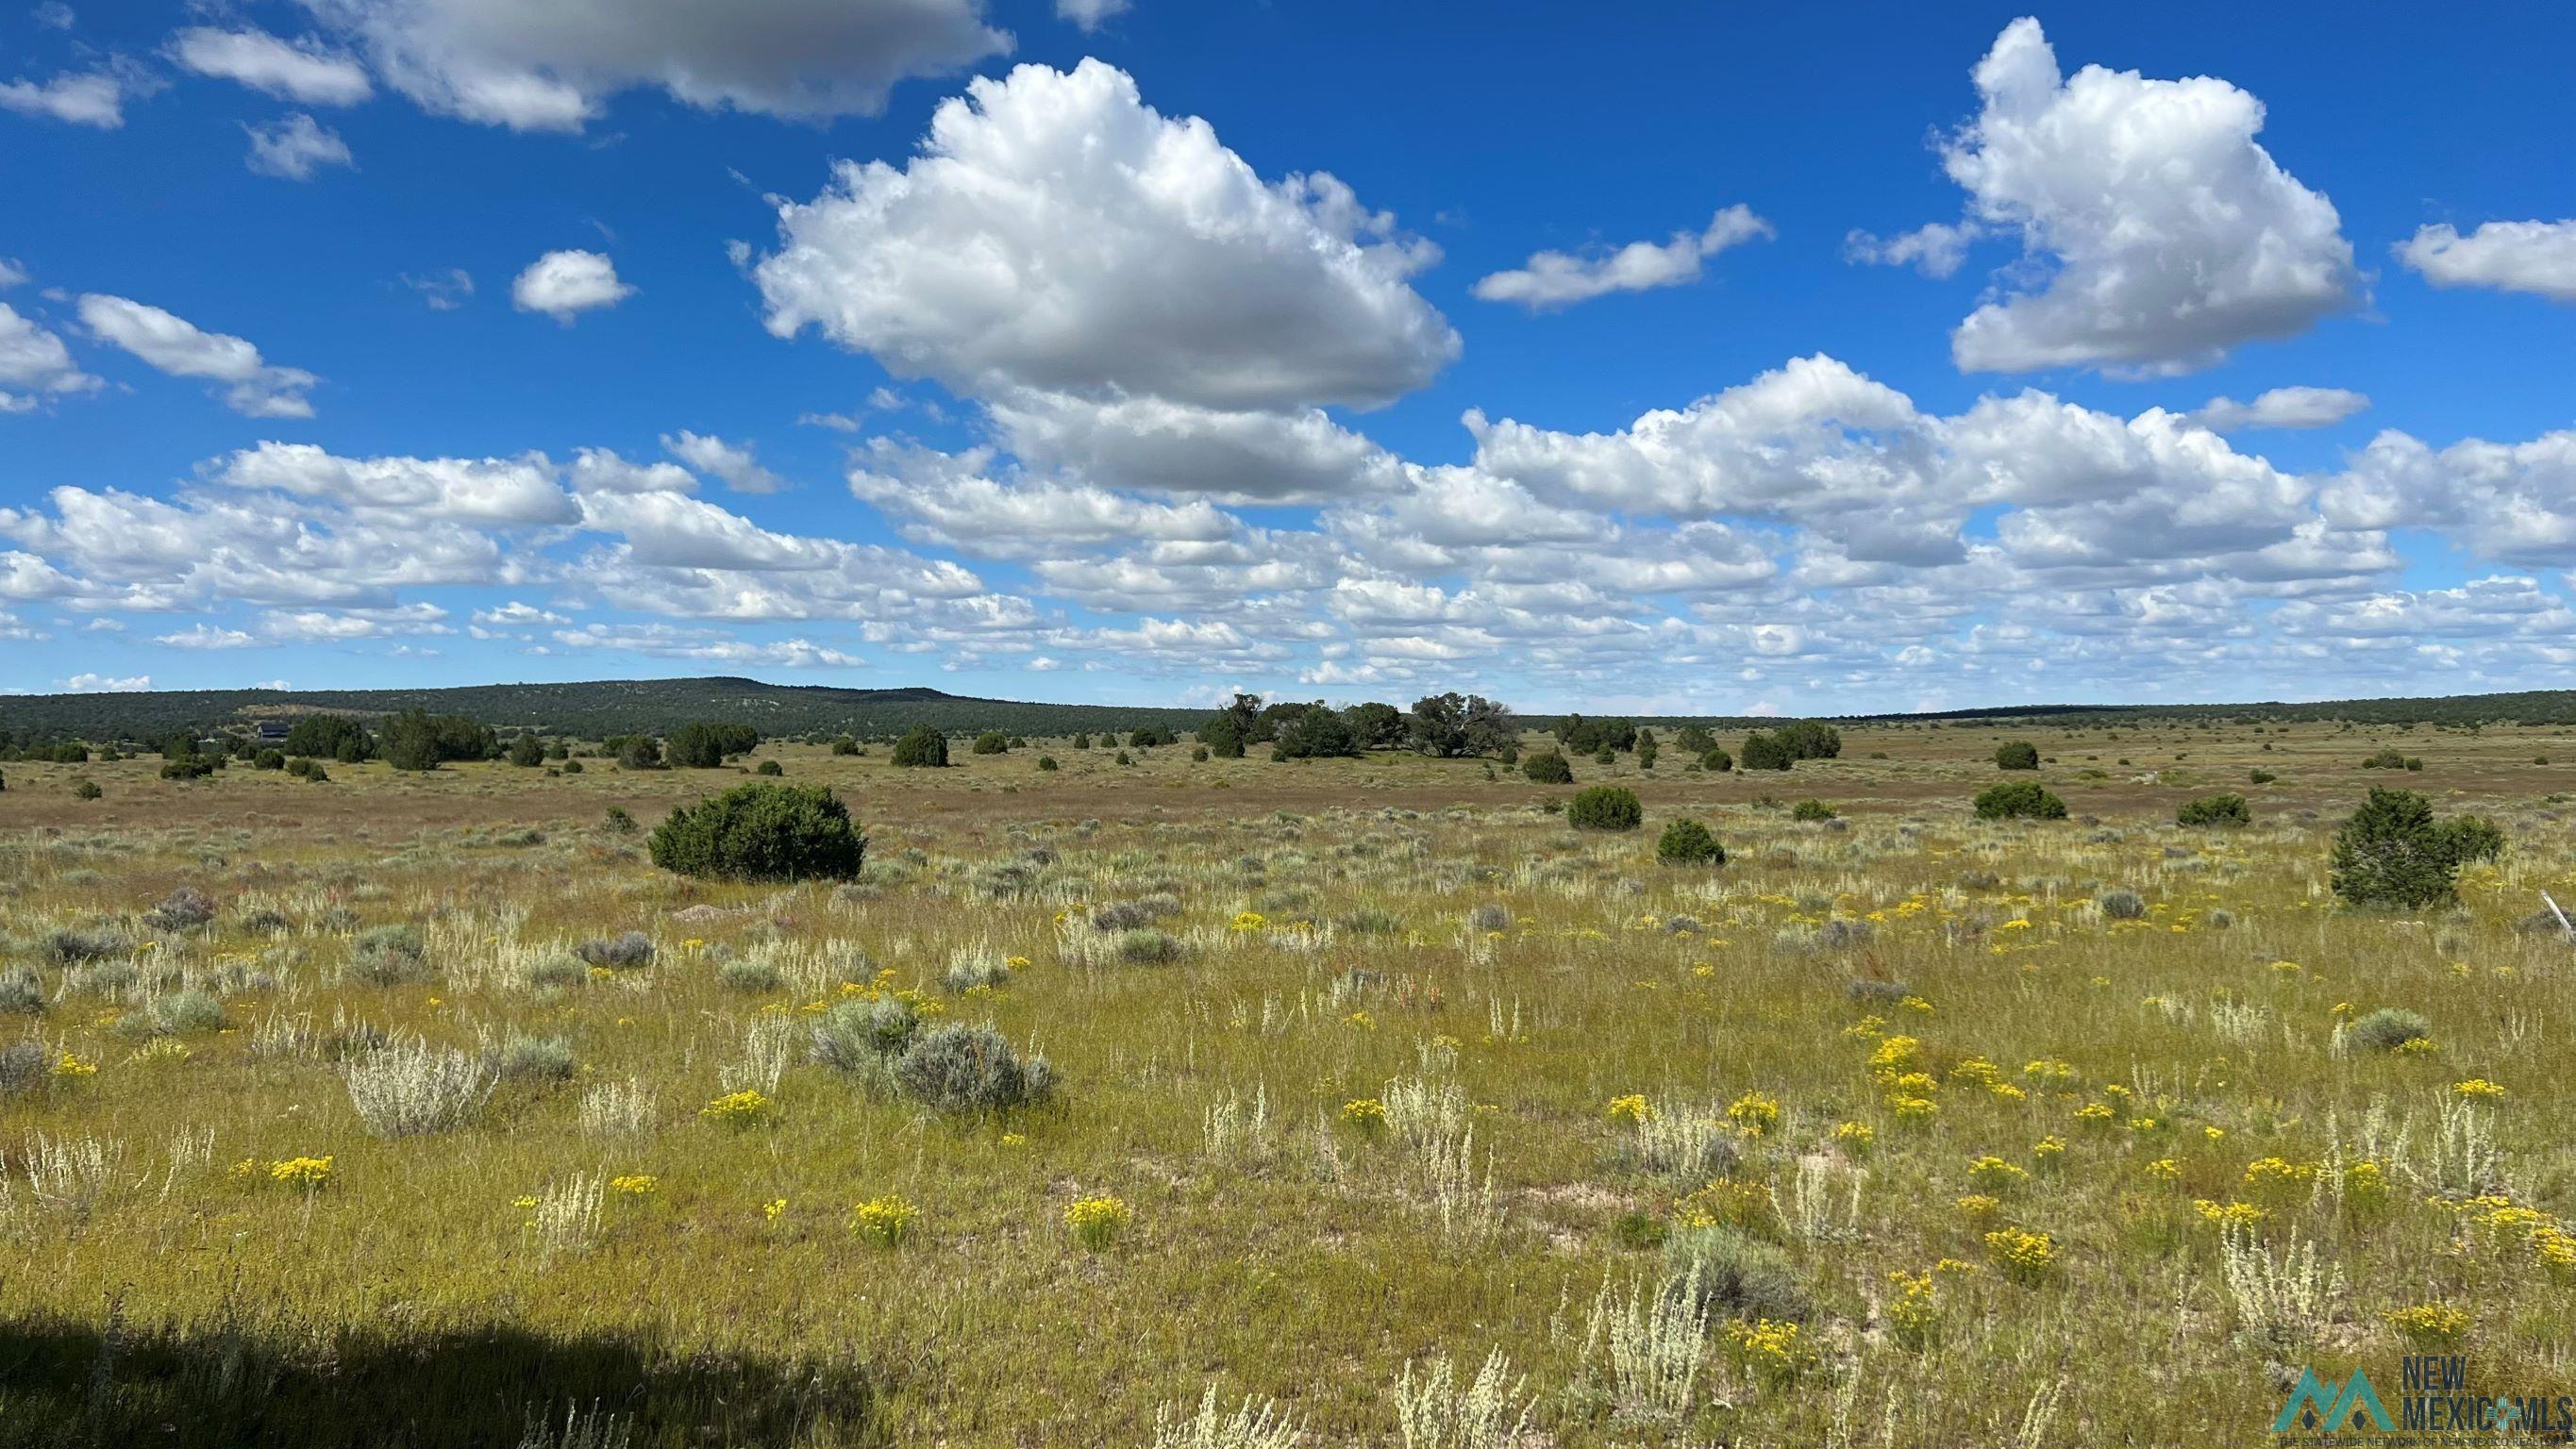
(2215, 810)
(1687, 842)
(764, 832)
(770, 768)
(1548, 767)
(1604, 807)
(1046, 762)
(2017, 755)
(2019, 800)
(1716, 761)
(922, 748)
(1811, 811)
(86, 790)
(992, 742)
(2385, 760)
(2392, 853)
(527, 752)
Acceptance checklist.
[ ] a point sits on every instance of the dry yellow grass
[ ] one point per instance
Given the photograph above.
(1969, 1117)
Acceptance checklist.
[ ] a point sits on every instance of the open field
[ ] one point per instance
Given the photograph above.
(1896, 1129)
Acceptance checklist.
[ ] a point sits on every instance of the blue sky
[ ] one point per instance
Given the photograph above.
(1070, 395)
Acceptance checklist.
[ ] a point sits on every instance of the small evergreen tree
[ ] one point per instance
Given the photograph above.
(1604, 807)
(1687, 842)
(992, 742)
(703, 744)
(2019, 800)
(1547, 767)
(762, 832)
(1767, 752)
(2391, 853)
(2214, 810)
(1319, 733)
(1805, 739)
(922, 748)
(2017, 755)
(1223, 735)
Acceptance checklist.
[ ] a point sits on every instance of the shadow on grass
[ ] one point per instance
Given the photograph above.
(70, 1383)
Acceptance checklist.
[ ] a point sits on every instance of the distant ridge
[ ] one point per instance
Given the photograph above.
(595, 708)
(589, 709)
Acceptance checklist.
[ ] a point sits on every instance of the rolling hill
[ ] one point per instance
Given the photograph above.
(597, 708)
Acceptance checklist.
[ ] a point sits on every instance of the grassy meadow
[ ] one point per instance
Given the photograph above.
(1387, 1109)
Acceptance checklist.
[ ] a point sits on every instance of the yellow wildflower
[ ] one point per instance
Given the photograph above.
(885, 1221)
(1097, 1221)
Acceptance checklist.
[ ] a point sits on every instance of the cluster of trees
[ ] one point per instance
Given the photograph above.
(418, 740)
(181, 759)
(1797, 740)
(1444, 726)
(1582, 736)
(706, 744)
(335, 737)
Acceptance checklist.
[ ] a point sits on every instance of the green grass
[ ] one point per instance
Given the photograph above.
(1327, 957)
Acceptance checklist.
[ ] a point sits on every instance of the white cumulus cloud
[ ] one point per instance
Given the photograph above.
(2166, 235)
(295, 148)
(1090, 14)
(305, 71)
(104, 684)
(565, 284)
(180, 348)
(1057, 234)
(2281, 407)
(1560, 279)
(90, 98)
(2510, 256)
(735, 463)
(553, 66)
(34, 363)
